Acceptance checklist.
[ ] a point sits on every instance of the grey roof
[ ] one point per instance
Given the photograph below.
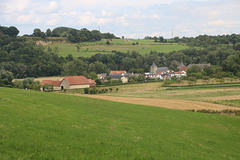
(200, 65)
(160, 69)
(116, 76)
(128, 74)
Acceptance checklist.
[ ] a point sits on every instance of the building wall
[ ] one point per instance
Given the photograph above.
(64, 84)
(55, 88)
(124, 79)
(153, 69)
(79, 86)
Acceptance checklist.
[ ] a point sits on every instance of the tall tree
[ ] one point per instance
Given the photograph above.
(48, 33)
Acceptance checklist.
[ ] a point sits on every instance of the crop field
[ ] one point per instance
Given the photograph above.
(196, 97)
(37, 125)
(87, 49)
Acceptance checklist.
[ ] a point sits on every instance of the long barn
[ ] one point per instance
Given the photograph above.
(74, 82)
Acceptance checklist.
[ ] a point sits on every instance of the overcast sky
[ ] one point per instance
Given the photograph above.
(129, 18)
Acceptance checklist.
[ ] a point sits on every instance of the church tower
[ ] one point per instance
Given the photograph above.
(153, 68)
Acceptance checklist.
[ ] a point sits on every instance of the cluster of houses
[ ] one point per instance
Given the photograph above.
(162, 73)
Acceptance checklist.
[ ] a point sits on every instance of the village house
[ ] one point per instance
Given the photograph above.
(149, 75)
(116, 75)
(179, 74)
(119, 76)
(102, 77)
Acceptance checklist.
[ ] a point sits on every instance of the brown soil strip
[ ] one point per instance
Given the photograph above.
(166, 103)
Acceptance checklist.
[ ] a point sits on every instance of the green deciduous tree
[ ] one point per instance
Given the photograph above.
(6, 77)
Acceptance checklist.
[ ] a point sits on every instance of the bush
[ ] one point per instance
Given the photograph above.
(167, 82)
(86, 91)
(18, 84)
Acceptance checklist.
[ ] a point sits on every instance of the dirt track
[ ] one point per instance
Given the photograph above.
(166, 103)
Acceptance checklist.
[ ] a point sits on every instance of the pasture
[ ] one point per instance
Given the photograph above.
(88, 49)
(36, 125)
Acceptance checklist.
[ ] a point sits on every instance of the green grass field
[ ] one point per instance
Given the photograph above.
(88, 49)
(36, 125)
(235, 103)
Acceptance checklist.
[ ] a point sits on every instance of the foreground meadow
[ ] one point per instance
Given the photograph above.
(36, 125)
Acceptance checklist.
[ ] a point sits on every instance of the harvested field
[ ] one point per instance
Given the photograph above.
(45, 78)
(166, 103)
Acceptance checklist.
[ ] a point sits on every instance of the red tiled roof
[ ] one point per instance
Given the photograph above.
(76, 80)
(54, 83)
(160, 72)
(117, 72)
(183, 68)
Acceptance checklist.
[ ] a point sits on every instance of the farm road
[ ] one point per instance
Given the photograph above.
(165, 103)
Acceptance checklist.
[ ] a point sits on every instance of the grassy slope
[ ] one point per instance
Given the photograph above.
(235, 103)
(88, 49)
(35, 125)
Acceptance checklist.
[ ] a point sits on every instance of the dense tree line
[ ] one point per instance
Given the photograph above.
(206, 40)
(74, 35)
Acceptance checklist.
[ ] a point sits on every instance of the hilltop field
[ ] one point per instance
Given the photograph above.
(88, 49)
(40, 125)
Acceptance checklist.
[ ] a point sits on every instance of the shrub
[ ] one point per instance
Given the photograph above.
(18, 84)
(86, 91)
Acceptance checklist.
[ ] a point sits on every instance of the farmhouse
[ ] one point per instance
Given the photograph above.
(55, 84)
(74, 82)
